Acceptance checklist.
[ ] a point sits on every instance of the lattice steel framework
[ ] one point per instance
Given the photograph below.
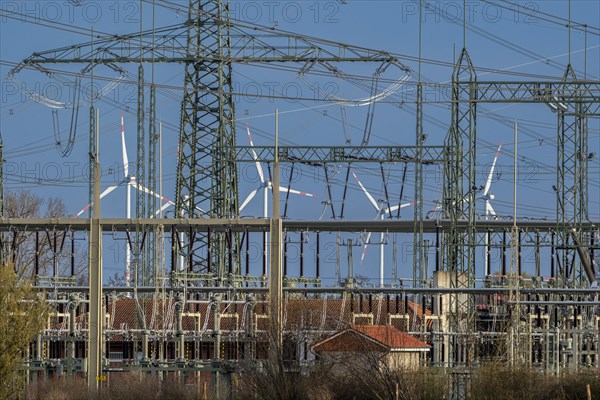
(419, 277)
(205, 173)
(459, 203)
(207, 117)
(571, 186)
(151, 251)
(206, 176)
(140, 273)
(208, 44)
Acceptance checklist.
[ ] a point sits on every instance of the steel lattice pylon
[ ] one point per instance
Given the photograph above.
(571, 188)
(206, 172)
(151, 250)
(140, 275)
(459, 203)
(418, 250)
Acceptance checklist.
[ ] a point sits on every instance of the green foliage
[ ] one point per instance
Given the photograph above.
(22, 316)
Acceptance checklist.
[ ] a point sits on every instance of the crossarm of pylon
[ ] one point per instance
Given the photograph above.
(248, 44)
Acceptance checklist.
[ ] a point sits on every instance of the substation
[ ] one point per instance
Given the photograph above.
(193, 307)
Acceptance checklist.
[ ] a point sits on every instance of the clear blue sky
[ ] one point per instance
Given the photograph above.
(33, 163)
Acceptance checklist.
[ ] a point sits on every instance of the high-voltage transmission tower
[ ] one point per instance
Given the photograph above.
(572, 179)
(459, 203)
(574, 101)
(206, 169)
(209, 43)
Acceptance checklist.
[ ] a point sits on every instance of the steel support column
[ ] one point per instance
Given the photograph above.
(459, 203)
(206, 175)
(418, 267)
(140, 274)
(151, 250)
(571, 184)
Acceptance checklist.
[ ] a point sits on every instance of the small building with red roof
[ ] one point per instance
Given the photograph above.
(381, 344)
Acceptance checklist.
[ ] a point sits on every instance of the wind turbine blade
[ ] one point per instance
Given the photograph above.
(259, 169)
(488, 183)
(248, 199)
(395, 208)
(294, 191)
(364, 252)
(150, 192)
(371, 199)
(84, 209)
(123, 147)
(162, 209)
(106, 192)
(489, 209)
(323, 212)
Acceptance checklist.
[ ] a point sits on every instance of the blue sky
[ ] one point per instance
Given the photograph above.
(33, 162)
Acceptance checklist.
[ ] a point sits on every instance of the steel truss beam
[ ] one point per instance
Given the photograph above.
(341, 290)
(260, 224)
(248, 44)
(319, 155)
(569, 92)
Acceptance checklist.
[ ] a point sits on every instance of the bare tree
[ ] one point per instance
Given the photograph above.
(20, 247)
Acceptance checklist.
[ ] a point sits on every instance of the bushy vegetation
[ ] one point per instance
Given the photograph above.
(22, 316)
(501, 383)
(273, 382)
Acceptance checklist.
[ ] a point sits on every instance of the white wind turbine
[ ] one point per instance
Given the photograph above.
(382, 211)
(487, 196)
(265, 184)
(489, 210)
(129, 180)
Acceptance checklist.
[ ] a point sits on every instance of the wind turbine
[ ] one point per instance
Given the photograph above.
(265, 184)
(489, 210)
(130, 182)
(487, 196)
(382, 211)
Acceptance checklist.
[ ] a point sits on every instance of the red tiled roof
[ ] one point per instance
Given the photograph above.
(324, 315)
(390, 336)
(371, 338)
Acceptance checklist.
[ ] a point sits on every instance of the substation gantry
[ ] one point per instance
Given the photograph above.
(209, 43)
